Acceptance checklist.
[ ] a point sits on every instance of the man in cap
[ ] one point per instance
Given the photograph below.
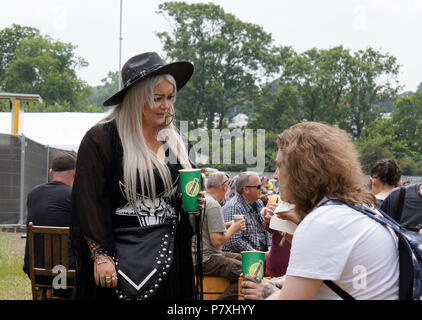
(49, 205)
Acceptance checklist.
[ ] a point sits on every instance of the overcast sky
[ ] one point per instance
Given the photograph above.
(391, 26)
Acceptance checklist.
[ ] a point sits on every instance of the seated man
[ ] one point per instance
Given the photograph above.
(49, 205)
(247, 202)
(214, 234)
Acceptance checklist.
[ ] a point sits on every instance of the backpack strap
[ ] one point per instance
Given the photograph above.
(405, 252)
(339, 291)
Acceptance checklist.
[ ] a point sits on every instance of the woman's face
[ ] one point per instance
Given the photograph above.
(155, 115)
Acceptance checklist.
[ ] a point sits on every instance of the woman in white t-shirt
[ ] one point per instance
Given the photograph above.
(317, 162)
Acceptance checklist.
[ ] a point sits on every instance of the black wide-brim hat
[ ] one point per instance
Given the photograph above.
(146, 65)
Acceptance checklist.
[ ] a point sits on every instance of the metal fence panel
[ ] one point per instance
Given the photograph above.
(10, 159)
(14, 187)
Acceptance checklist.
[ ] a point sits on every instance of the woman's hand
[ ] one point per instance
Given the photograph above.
(201, 201)
(257, 289)
(105, 271)
(289, 215)
(268, 211)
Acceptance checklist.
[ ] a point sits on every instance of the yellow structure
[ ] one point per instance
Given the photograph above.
(18, 109)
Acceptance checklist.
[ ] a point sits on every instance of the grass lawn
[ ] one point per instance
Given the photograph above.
(14, 283)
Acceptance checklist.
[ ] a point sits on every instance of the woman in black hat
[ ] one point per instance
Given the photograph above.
(128, 229)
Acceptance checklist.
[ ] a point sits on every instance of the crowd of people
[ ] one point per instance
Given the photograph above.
(131, 239)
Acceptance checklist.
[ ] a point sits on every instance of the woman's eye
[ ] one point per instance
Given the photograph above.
(157, 99)
(170, 97)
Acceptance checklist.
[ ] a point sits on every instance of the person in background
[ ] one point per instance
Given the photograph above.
(322, 177)
(278, 257)
(246, 202)
(404, 205)
(49, 204)
(215, 233)
(385, 176)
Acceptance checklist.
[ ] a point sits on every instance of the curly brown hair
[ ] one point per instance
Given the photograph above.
(319, 160)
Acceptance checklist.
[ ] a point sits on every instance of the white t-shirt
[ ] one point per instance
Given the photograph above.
(358, 254)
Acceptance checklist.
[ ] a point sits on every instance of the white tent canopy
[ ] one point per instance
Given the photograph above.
(63, 130)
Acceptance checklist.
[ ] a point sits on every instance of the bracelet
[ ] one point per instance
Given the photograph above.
(97, 253)
(104, 260)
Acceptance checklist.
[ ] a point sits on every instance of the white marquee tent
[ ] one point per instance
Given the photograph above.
(63, 130)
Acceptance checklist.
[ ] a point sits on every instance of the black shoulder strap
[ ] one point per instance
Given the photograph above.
(402, 195)
(339, 291)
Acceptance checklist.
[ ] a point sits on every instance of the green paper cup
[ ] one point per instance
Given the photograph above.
(253, 263)
(190, 183)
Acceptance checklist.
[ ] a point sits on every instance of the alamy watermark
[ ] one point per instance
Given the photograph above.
(60, 281)
(214, 147)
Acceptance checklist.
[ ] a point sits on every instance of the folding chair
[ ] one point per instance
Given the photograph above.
(55, 254)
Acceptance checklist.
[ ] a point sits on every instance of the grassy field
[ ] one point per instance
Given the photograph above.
(14, 283)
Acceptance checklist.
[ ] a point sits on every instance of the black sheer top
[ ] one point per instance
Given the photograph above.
(99, 205)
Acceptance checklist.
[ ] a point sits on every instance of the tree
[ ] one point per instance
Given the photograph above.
(43, 66)
(230, 57)
(10, 40)
(320, 77)
(370, 151)
(407, 122)
(102, 92)
(372, 79)
(419, 89)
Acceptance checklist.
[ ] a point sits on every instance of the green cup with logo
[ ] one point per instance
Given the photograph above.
(253, 263)
(190, 183)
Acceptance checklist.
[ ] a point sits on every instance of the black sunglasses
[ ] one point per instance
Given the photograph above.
(258, 186)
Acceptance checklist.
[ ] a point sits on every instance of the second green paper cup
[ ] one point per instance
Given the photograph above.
(253, 263)
(190, 183)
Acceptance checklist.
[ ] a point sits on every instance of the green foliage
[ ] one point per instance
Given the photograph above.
(230, 58)
(31, 63)
(370, 151)
(102, 92)
(397, 137)
(10, 40)
(407, 121)
(410, 167)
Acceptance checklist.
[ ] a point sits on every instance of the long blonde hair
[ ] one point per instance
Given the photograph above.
(319, 160)
(138, 159)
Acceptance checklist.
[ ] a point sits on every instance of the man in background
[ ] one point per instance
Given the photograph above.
(49, 205)
(247, 203)
(215, 233)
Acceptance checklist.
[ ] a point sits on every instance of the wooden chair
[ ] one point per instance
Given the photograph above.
(55, 253)
(214, 286)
